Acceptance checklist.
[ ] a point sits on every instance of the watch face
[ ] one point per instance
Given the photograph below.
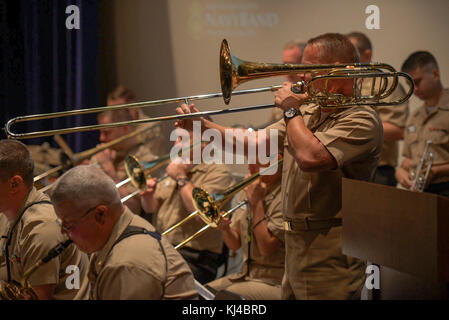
(290, 113)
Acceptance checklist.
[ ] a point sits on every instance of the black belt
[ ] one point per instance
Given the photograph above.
(308, 224)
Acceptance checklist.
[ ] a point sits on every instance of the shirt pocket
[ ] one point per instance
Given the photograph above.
(438, 137)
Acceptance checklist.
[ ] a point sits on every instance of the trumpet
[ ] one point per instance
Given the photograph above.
(234, 71)
(23, 291)
(426, 161)
(207, 206)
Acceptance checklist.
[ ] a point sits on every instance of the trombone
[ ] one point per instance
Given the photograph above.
(208, 206)
(138, 172)
(77, 158)
(234, 71)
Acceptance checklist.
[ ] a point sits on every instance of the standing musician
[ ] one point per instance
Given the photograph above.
(321, 146)
(29, 230)
(393, 117)
(171, 201)
(429, 122)
(128, 259)
(258, 230)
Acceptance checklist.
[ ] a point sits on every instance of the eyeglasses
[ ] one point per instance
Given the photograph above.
(71, 225)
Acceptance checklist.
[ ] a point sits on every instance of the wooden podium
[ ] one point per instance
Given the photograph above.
(404, 232)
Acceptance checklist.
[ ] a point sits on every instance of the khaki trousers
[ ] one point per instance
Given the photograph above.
(248, 288)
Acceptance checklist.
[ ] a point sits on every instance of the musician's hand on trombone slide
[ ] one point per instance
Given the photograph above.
(225, 223)
(285, 98)
(187, 124)
(147, 197)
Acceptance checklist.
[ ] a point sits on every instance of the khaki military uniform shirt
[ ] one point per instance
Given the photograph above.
(135, 268)
(396, 115)
(315, 265)
(34, 236)
(267, 269)
(423, 126)
(212, 178)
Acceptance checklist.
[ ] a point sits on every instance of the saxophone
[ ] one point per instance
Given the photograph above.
(23, 290)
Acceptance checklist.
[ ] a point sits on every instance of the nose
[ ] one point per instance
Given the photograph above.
(102, 136)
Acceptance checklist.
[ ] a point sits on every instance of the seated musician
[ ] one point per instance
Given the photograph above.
(429, 122)
(171, 202)
(259, 231)
(121, 95)
(28, 231)
(128, 259)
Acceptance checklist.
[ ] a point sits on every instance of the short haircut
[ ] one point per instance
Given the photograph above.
(84, 187)
(295, 43)
(335, 47)
(363, 43)
(121, 92)
(419, 59)
(15, 159)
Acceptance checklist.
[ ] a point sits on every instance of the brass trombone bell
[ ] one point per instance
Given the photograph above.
(234, 71)
(207, 226)
(208, 206)
(138, 172)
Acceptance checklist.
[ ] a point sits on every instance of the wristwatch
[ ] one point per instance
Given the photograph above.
(291, 113)
(181, 181)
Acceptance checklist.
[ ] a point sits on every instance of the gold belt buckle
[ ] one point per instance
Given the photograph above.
(287, 226)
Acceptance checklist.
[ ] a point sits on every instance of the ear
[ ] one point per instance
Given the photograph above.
(436, 74)
(15, 182)
(368, 54)
(100, 214)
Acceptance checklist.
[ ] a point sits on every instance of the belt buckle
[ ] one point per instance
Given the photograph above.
(287, 226)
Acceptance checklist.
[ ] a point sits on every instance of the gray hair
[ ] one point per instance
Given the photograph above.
(85, 186)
